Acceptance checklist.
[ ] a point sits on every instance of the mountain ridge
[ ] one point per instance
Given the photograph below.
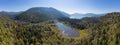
(39, 14)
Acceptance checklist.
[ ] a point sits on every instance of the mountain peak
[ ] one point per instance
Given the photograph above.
(37, 14)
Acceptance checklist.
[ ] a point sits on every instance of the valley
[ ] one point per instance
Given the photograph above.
(49, 26)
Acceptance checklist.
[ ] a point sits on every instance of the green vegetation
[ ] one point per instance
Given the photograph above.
(30, 29)
(24, 33)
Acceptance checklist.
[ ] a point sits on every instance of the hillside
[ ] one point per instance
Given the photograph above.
(80, 16)
(104, 30)
(22, 33)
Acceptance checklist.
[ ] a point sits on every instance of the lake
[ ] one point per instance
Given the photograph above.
(67, 31)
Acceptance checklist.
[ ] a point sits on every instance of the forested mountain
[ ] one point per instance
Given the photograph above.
(39, 14)
(9, 14)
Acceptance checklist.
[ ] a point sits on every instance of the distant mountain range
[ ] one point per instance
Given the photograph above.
(79, 16)
(39, 14)
(9, 13)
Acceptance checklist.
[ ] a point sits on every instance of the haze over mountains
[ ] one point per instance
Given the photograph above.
(79, 16)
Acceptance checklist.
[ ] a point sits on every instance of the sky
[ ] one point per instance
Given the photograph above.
(69, 6)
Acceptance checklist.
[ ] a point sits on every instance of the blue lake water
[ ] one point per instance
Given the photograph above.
(67, 31)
